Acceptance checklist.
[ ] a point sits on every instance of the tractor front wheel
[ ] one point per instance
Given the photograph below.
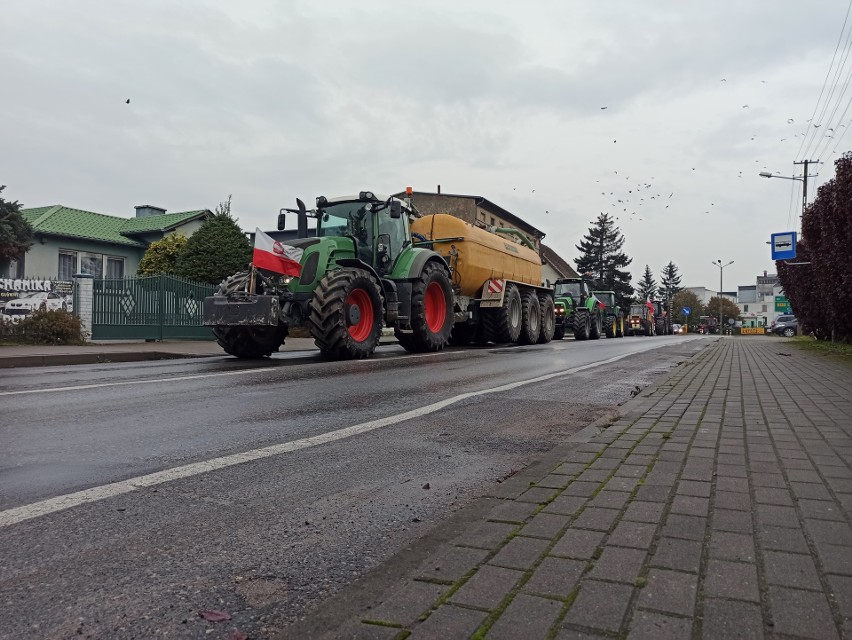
(619, 327)
(582, 322)
(431, 311)
(346, 315)
(250, 343)
(595, 325)
(548, 319)
(609, 327)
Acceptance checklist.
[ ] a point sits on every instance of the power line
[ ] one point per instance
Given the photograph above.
(826, 124)
(825, 81)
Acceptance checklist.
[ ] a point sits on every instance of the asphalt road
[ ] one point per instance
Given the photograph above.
(133, 496)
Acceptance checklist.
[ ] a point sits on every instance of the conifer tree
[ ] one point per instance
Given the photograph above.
(602, 257)
(647, 286)
(670, 280)
(16, 234)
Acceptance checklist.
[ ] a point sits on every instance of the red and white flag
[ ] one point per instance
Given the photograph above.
(275, 256)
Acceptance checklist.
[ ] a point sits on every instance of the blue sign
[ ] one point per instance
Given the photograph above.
(784, 245)
(687, 310)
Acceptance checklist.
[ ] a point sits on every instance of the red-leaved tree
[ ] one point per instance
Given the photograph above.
(821, 292)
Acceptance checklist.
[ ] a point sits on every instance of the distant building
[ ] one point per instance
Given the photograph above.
(702, 293)
(553, 267)
(762, 302)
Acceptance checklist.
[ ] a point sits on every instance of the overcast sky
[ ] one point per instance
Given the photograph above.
(270, 100)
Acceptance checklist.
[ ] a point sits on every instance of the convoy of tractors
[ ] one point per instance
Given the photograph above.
(374, 262)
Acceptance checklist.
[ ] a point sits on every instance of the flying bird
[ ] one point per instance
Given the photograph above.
(127, 101)
(723, 80)
(745, 106)
(602, 108)
(790, 121)
(614, 141)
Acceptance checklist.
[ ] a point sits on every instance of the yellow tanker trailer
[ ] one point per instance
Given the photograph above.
(496, 281)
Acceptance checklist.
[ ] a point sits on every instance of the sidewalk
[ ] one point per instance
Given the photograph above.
(130, 351)
(718, 507)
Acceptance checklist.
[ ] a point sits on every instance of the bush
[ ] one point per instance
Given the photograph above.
(161, 256)
(44, 327)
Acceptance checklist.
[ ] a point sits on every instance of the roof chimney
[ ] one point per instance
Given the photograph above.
(145, 210)
(439, 189)
(764, 273)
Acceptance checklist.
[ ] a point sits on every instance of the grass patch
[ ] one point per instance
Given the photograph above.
(842, 350)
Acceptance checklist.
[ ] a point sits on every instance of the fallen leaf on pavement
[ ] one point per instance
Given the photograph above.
(237, 635)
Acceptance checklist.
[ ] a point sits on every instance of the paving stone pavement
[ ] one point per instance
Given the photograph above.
(718, 507)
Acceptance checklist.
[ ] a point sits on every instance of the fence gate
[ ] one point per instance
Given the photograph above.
(152, 307)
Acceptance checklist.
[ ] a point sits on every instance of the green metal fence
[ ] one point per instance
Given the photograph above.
(152, 307)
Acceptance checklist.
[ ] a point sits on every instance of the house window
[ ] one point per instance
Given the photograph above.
(493, 222)
(67, 264)
(115, 267)
(92, 263)
(745, 307)
(763, 308)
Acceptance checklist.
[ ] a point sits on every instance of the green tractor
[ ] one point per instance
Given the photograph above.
(577, 310)
(613, 315)
(358, 274)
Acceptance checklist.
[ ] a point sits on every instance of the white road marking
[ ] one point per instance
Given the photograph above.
(60, 503)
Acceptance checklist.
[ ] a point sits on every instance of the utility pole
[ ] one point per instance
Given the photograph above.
(805, 182)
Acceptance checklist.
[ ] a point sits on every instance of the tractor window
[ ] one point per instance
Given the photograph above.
(397, 229)
(637, 309)
(567, 289)
(607, 298)
(350, 219)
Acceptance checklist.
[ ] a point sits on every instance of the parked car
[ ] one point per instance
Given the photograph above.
(786, 326)
(43, 300)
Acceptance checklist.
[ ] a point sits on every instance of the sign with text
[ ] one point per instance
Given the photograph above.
(759, 331)
(784, 245)
(19, 297)
(782, 305)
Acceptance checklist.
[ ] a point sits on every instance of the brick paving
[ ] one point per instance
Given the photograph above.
(719, 507)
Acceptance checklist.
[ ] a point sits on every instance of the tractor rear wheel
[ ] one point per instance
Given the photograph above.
(582, 322)
(250, 343)
(431, 311)
(595, 325)
(504, 324)
(530, 318)
(548, 319)
(609, 327)
(661, 326)
(649, 327)
(346, 315)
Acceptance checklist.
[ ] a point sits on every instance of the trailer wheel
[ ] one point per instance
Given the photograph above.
(609, 327)
(530, 318)
(346, 315)
(431, 311)
(548, 319)
(504, 324)
(582, 330)
(250, 343)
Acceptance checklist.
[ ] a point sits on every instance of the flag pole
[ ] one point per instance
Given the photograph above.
(251, 280)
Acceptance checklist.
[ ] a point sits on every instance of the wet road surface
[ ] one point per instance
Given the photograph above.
(265, 539)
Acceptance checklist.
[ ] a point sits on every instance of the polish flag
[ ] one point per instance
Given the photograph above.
(274, 256)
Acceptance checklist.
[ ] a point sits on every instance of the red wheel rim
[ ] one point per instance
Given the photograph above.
(436, 307)
(361, 329)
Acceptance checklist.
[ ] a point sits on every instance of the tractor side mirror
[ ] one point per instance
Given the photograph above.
(383, 247)
(395, 209)
(281, 219)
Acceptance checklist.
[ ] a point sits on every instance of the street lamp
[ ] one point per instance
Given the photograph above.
(803, 179)
(721, 266)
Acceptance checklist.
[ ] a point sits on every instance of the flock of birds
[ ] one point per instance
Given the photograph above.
(634, 201)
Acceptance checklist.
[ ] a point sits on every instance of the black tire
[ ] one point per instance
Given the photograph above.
(595, 325)
(582, 329)
(649, 327)
(431, 290)
(609, 327)
(248, 343)
(462, 334)
(619, 327)
(504, 324)
(660, 326)
(548, 319)
(340, 322)
(558, 333)
(530, 318)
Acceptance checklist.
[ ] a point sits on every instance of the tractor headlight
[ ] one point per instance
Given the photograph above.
(366, 195)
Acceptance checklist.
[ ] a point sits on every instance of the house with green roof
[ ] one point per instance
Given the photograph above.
(69, 241)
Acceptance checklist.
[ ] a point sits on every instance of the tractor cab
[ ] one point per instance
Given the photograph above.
(376, 226)
(575, 289)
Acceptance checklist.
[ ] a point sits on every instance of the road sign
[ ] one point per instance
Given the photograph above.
(687, 310)
(782, 305)
(784, 245)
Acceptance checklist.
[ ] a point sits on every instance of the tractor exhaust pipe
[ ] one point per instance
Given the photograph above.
(302, 219)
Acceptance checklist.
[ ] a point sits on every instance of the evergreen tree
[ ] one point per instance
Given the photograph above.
(670, 280)
(161, 256)
(602, 257)
(217, 250)
(647, 286)
(16, 234)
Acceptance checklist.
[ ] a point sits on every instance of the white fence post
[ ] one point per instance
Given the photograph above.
(84, 301)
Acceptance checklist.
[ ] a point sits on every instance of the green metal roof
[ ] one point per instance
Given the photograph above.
(164, 222)
(88, 225)
(76, 223)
